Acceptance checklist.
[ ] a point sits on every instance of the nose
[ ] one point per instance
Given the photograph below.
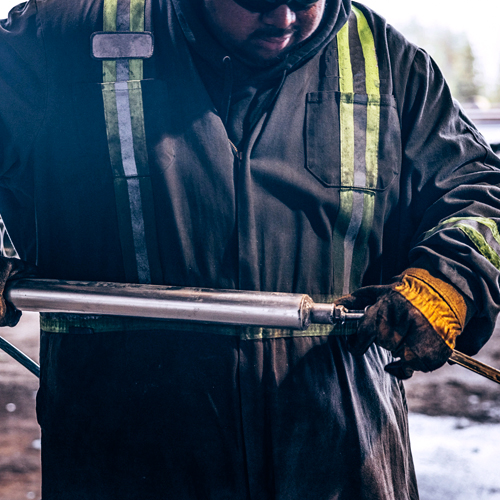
(281, 17)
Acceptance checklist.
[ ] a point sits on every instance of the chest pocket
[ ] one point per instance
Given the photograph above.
(353, 140)
(353, 136)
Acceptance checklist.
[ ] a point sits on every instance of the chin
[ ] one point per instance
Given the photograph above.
(253, 58)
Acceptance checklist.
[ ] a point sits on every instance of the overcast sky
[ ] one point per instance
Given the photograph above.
(480, 20)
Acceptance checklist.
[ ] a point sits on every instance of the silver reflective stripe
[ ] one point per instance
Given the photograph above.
(123, 15)
(122, 70)
(125, 129)
(130, 171)
(141, 253)
(350, 237)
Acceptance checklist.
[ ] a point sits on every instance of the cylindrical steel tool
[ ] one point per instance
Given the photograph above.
(234, 307)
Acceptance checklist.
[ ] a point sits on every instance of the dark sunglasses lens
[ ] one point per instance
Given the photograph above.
(304, 4)
(257, 5)
(268, 5)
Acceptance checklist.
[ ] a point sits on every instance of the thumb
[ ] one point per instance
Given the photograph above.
(399, 369)
(363, 297)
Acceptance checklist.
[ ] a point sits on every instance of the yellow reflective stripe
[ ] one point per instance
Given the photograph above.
(372, 83)
(341, 227)
(138, 128)
(109, 13)
(346, 117)
(109, 71)
(135, 69)
(489, 223)
(112, 130)
(136, 24)
(355, 219)
(346, 107)
(347, 139)
(480, 243)
(109, 24)
(368, 47)
(474, 235)
(345, 67)
(137, 15)
(372, 140)
(80, 324)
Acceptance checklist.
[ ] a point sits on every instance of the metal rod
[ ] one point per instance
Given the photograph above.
(235, 307)
(474, 365)
(20, 357)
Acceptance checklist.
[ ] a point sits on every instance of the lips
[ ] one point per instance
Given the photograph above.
(274, 42)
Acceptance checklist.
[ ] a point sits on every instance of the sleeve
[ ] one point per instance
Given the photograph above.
(450, 185)
(23, 92)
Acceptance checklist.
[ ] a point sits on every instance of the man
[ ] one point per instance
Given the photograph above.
(300, 146)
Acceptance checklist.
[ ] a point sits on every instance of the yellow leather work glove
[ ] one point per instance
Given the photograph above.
(12, 269)
(417, 318)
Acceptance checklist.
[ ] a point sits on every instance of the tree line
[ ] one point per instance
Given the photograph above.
(453, 53)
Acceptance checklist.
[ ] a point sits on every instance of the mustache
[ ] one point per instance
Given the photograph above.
(272, 32)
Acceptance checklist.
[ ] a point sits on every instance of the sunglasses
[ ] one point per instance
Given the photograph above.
(263, 6)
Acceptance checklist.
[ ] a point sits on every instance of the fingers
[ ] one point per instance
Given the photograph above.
(409, 362)
(366, 333)
(12, 269)
(399, 369)
(393, 323)
(9, 315)
(363, 297)
(384, 323)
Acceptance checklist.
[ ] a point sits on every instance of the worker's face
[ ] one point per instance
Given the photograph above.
(259, 38)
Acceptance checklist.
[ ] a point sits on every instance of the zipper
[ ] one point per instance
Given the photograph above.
(237, 153)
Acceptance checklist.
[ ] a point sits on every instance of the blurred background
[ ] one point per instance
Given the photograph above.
(464, 40)
(454, 414)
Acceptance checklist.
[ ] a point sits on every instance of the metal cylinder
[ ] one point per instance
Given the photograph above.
(278, 310)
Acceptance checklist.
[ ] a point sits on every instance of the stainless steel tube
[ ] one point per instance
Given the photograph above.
(278, 310)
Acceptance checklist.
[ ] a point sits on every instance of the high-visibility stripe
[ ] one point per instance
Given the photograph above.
(350, 238)
(136, 109)
(137, 23)
(480, 243)
(372, 80)
(109, 24)
(372, 142)
(489, 223)
(359, 147)
(137, 15)
(75, 324)
(346, 117)
(478, 239)
(109, 19)
(125, 128)
(345, 68)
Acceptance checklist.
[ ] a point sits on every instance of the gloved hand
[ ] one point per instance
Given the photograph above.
(417, 318)
(9, 269)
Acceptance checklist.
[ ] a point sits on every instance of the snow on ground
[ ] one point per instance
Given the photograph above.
(455, 458)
